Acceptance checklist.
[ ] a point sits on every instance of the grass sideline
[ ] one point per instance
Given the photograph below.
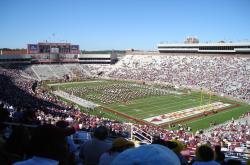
(149, 106)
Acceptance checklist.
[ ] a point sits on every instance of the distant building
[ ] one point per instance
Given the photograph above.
(191, 40)
(219, 47)
(46, 52)
(128, 51)
(110, 58)
(13, 52)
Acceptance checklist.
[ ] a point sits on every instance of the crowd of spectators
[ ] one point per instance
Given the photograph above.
(232, 134)
(225, 75)
(22, 102)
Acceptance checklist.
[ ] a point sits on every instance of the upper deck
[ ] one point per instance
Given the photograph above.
(204, 47)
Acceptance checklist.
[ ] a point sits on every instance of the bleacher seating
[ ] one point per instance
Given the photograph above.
(225, 75)
(44, 72)
(59, 70)
(74, 69)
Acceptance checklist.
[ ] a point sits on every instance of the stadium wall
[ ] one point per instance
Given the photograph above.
(15, 58)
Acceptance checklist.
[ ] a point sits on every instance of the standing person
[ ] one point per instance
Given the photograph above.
(91, 151)
(48, 145)
(119, 145)
(219, 156)
(65, 125)
(71, 145)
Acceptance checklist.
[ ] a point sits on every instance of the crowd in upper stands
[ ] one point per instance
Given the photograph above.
(22, 101)
(225, 75)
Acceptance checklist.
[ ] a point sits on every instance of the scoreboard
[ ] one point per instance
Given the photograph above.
(32, 48)
(74, 48)
(53, 48)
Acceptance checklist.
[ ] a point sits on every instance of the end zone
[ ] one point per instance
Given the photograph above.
(188, 114)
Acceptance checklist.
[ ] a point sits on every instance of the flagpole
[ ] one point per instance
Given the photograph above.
(210, 96)
(201, 98)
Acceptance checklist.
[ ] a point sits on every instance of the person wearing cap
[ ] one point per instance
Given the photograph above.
(119, 145)
(91, 150)
(152, 154)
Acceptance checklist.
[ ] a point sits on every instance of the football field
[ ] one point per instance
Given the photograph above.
(154, 104)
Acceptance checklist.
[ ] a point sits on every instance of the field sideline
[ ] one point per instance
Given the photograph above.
(149, 101)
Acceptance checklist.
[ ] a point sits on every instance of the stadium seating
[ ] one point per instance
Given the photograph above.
(225, 75)
(75, 69)
(60, 70)
(222, 74)
(45, 72)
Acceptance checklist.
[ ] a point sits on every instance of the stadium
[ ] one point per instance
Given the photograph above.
(194, 92)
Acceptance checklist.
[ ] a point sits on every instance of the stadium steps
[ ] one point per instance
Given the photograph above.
(44, 72)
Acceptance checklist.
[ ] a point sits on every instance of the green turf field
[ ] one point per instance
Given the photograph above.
(143, 101)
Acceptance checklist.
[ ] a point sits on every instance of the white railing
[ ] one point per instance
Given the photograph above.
(139, 134)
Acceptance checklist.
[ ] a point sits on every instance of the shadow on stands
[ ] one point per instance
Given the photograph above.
(17, 97)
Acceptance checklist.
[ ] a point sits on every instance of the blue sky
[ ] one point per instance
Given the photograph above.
(122, 24)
